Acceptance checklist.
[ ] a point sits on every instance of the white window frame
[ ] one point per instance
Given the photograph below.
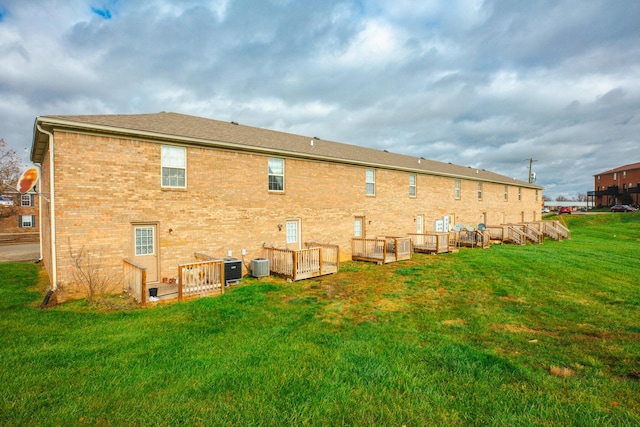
(144, 240)
(479, 191)
(24, 223)
(26, 200)
(370, 182)
(358, 227)
(506, 193)
(413, 185)
(272, 163)
(456, 189)
(172, 164)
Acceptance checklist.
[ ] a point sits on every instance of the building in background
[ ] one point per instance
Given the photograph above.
(616, 186)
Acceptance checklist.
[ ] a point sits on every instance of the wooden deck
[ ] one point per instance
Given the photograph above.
(381, 250)
(432, 243)
(316, 259)
(474, 238)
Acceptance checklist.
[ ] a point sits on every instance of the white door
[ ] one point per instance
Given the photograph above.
(420, 224)
(358, 227)
(145, 249)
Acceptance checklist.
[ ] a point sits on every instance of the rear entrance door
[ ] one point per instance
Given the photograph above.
(145, 249)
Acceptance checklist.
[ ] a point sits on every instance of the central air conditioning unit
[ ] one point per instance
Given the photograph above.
(260, 267)
(232, 270)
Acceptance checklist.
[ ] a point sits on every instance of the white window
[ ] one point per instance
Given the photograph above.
(144, 241)
(26, 221)
(624, 174)
(292, 232)
(506, 193)
(174, 166)
(479, 191)
(456, 191)
(519, 194)
(371, 182)
(614, 175)
(358, 227)
(26, 200)
(276, 174)
(412, 185)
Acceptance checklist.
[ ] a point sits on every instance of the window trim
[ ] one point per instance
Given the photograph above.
(21, 222)
(479, 191)
(29, 200)
(370, 173)
(519, 194)
(506, 193)
(457, 189)
(172, 167)
(413, 186)
(275, 175)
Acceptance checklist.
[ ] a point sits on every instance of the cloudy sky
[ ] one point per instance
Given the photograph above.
(487, 84)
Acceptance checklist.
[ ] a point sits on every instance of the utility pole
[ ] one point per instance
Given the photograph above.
(531, 160)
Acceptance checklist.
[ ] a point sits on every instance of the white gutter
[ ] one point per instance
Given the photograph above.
(52, 217)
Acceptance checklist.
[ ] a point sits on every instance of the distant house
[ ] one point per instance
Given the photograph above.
(23, 223)
(619, 185)
(158, 187)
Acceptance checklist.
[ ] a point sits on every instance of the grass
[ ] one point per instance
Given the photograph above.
(534, 335)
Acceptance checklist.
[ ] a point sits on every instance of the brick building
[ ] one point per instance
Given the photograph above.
(159, 187)
(616, 186)
(23, 223)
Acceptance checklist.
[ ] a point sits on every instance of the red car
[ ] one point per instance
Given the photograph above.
(622, 208)
(564, 210)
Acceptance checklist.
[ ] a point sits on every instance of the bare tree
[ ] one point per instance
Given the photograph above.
(9, 173)
(90, 275)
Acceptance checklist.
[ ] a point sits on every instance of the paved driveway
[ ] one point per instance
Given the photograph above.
(19, 252)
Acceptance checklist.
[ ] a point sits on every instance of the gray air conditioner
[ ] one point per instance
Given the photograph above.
(260, 267)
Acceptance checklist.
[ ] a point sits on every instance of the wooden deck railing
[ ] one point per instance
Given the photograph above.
(381, 250)
(531, 233)
(436, 243)
(474, 238)
(200, 278)
(564, 231)
(315, 260)
(135, 280)
(329, 256)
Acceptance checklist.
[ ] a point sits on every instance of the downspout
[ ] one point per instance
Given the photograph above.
(52, 218)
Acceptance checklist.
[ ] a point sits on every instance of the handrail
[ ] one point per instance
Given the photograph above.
(135, 280)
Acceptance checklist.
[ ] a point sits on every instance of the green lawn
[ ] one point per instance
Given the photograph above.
(511, 336)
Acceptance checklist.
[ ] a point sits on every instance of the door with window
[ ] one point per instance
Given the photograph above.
(145, 249)
(293, 234)
(420, 224)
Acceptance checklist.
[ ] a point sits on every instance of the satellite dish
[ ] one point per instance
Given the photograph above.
(469, 228)
(458, 227)
(482, 227)
(28, 179)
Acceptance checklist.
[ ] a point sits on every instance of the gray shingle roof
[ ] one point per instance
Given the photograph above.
(202, 131)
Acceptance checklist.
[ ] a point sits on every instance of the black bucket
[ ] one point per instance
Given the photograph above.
(153, 292)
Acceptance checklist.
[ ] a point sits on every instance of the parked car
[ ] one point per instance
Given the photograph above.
(622, 208)
(564, 210)
(546, 210)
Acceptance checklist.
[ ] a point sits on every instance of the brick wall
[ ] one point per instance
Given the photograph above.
(104, 185)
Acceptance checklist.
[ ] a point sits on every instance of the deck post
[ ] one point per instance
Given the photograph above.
(179, 283)
(295, 265)
(320, 260)
(395, 244)
(222, 282)
(143, 297)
